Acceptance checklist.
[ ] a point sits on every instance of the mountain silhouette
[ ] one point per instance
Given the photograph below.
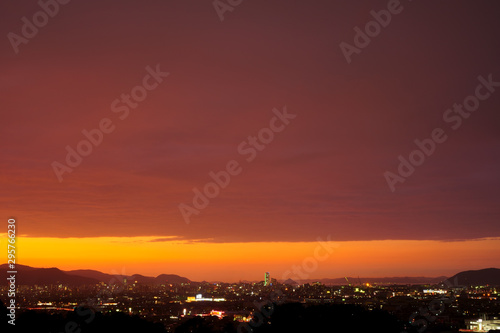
(380, 280)
(89, 273)
(46, 276)
(27, 275)
(481, 277)
(171, 278)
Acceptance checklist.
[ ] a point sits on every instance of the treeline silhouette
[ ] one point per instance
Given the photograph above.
(298, 317)
(272, 318)
(81, 320)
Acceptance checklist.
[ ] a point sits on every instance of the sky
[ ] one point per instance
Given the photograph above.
(305, 120)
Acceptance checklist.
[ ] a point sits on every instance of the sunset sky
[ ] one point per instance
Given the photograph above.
(320, 176)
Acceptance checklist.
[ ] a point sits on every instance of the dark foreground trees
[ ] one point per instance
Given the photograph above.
(298, 317)
(82, 320)
(289, 318)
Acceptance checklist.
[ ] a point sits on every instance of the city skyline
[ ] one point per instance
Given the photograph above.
(56, 277)
(171, 137)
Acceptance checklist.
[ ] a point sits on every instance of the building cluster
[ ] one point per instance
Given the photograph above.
(474, 309)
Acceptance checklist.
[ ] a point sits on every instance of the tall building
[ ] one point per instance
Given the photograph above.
(267, 279)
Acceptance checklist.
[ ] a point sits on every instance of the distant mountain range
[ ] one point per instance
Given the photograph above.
(481, 277)
(27, 275)
(45, 276)
(379, 281)
(136, 278)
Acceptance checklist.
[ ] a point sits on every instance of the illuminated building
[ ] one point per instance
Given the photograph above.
(216, 313)
(267, 279)
(482, 325)
(434, 291)
(200, 298)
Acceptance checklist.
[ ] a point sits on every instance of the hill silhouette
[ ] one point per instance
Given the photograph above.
(481, 277)
(45, 276)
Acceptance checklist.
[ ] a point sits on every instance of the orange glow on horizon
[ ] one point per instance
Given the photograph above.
(247, 261)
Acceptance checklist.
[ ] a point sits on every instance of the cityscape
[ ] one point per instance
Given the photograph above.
(175, 304)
